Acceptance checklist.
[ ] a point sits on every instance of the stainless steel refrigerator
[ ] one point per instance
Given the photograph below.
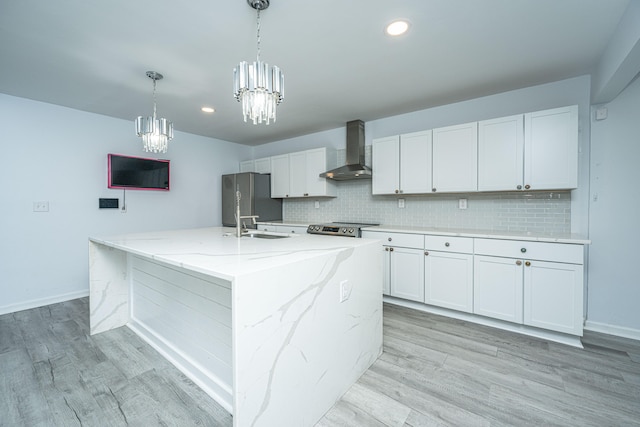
(255, 190)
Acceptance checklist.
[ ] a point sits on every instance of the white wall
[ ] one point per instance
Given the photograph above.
(614, 229)
(55, 154)
(566, 92)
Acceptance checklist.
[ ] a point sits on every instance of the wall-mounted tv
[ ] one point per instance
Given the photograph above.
(138, 173)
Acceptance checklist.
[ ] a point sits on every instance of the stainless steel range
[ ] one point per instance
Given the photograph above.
(347, 229)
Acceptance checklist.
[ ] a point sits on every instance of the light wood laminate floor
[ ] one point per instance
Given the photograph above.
(434, 371)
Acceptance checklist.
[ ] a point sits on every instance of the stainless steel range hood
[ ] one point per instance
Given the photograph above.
(355, 167)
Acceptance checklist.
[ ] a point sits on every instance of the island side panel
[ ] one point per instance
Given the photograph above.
(186, 316)
(109, 288)
(297, 348)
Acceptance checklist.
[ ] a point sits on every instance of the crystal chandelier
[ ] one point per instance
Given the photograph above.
(156, 133)
(257, 86)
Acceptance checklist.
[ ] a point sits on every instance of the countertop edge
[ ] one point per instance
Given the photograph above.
(573, 239)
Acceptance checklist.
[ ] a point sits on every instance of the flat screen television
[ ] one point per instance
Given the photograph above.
(138, 173)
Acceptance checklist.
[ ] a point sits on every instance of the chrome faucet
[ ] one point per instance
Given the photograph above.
(239, 218)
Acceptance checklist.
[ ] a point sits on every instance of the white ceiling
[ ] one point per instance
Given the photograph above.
(338, 64)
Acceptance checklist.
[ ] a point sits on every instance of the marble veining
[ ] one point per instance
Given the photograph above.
(296, 347)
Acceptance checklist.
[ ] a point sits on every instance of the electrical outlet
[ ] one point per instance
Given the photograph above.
(41, 206)
(462, 203)
(401, 203)
(317, 204)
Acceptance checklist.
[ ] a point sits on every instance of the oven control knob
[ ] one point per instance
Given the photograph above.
(351, 230)
(344, 230)
(317, 228)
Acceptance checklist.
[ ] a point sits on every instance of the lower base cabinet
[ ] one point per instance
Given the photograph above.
(553, 296)
(498, 288)
(448, 280)
(404, 269)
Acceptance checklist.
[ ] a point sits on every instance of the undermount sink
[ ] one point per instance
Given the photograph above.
(263, 235)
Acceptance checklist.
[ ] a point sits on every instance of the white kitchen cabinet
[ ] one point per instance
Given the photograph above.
(297, 175)
(403, 264)
(547, 276)
(292, 229)
(501, 154)
(385, 165)
(553, 296)
(262, 165)
(280, 176)
(406, 273)
(455, 158)
(498, 288)
(448, 280)
(258, 165)
(551, 149)
(247, 166)
(402, 164)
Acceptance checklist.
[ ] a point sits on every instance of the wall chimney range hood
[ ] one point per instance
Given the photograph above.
(355, 167)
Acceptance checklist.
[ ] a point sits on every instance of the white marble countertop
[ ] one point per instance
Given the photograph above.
(487, 234)
(217, 252)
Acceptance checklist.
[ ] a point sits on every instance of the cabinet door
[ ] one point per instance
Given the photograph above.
(553, 296)
(263, 165)
(297, 174)
(316, 163)
(406, 272)
(455, 158)
(415, 162)
(551, 149)
(448, 280)
(498, 288)
(247, 166)
(280, 176)
(385, 162)
(501, 154)
(291, 229)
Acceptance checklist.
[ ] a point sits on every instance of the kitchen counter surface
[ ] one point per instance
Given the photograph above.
(216, 251)
(487, 234)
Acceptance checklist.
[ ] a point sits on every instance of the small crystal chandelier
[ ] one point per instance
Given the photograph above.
(156, 133)
(257, 86)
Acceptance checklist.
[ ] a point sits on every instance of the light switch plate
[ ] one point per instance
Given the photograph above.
(462, 203)
(401, 203)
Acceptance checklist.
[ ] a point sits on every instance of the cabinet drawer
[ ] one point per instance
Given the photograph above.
(542, 251)
(404, 240)
(449, 244)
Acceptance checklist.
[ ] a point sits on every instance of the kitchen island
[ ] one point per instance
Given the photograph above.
(275, 330)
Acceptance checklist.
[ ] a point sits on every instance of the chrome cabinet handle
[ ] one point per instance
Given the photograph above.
(528, 264)
(433, 189)
(386, 249)
(519, 187)
(397, 191)
(389, 239)
(518, 262)
(447, 244)
(527, 186)
(391, 249)
(523, 250)
(426, 253)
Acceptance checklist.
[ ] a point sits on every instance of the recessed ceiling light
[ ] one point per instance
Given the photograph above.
(397, 27)
(208, 109)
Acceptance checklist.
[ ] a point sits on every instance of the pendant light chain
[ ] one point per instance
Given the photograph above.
(154, 97)
(258, 32)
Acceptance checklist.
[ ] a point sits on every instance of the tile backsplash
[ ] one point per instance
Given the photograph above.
(548, 212)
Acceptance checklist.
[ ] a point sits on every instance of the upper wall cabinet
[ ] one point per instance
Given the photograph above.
(551, 149)
(297, 175)
(534, 151)
(501, 154)
(258, 165)
(402, 164)
(455, 158)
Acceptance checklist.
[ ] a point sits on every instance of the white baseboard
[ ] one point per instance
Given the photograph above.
(26, 305)
(619, 331)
